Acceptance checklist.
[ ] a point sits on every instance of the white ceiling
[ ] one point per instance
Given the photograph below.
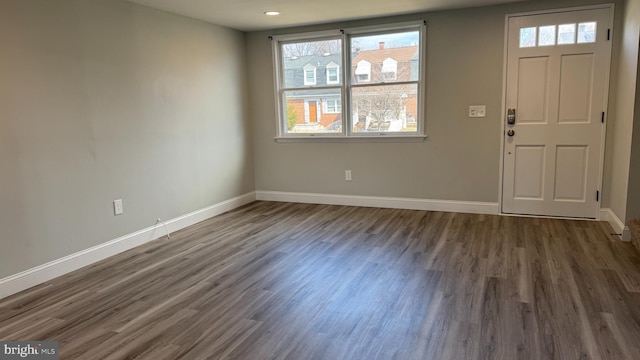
(248, 15)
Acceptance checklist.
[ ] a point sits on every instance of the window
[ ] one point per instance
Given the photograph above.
(309, 75)
(332, 106)
(566, 35)
(333, 76)
(547, 35)
(383, 89)
(389, 69)
(528, 37)
(363, 71)
(586, 32)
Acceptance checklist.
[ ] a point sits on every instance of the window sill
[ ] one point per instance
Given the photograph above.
(352, 139)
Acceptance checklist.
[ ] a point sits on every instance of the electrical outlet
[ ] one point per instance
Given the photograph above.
(477, 111)
(118, 209)
(347, 175)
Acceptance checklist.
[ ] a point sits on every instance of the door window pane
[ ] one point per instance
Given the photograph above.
(528, 37)
(587, 32)
(547, 35)
(566, 34)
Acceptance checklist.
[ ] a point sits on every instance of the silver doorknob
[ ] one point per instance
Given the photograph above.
(511, 132)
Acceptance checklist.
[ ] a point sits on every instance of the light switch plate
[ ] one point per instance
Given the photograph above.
(477, 111)
(117, 207)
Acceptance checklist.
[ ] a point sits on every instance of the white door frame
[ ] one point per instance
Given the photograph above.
(503, 113)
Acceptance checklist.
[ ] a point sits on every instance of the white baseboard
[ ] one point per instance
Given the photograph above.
(381, 202)
(618, 226)
(43, 273)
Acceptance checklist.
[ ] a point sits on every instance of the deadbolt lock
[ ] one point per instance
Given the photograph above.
(511, 116)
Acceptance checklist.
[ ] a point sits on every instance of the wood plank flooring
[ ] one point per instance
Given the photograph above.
(298, 281)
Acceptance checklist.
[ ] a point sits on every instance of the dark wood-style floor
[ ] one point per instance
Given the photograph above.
(296, 281)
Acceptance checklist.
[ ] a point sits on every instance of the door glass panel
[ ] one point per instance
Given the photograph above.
(587, 32)
(566, 34)
(547, 35)
(528, 37)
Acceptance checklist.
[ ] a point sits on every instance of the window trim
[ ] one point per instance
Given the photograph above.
(332, 66)
(306, 69)
(346, 85)
(394, 73)
(368, 73)
(337, 106)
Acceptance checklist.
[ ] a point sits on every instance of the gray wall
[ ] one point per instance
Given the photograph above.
(633, 194)
(461, 158)
(105, 99)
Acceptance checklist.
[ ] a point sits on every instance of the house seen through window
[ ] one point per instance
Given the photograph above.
(376, 93)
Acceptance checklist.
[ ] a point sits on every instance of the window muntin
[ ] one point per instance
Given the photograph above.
(381, 95)
(566, 34)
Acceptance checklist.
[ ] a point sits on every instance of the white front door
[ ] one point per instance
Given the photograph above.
(557, 86)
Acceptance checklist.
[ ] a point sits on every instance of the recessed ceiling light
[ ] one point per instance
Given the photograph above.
(272, 13)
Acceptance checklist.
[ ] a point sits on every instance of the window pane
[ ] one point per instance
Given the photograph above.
(332, 105)
(385, 58)
(384, 108)
(587, 32)
(306, 63)
(566, 34)
(528, 37)
(332, 75)
(547, 35)
(313, 111)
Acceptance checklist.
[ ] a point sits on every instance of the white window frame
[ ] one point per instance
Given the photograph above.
(345, 86)
(389, 75)
(363, 64)
(337, 106)
(336, 67)
(307, 68)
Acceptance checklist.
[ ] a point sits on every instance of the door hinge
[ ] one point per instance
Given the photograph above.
(608, 34)
(597, 195)
(603, 117)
